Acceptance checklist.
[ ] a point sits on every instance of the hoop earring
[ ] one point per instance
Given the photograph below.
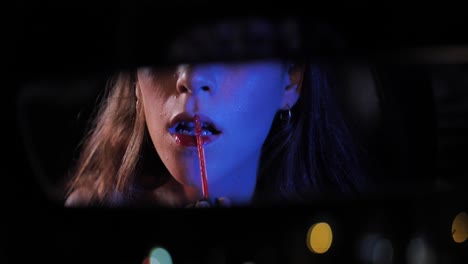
(286, 115)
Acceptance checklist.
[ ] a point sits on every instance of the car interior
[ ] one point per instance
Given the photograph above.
(401, 85)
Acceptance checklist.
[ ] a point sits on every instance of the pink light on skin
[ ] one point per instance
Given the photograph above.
(201, 156)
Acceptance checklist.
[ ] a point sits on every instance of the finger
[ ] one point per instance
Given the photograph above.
(190, 205)
(202, 204)
(223, 202)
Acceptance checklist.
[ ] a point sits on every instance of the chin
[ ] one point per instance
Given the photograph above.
(185, 171)
(188, 179)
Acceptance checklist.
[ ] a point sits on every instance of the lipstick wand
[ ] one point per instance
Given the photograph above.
(201, 157)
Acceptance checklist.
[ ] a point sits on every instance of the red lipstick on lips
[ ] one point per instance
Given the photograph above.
(191, 141)
(188, 139)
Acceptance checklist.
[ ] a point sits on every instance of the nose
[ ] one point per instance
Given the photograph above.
(195, 79)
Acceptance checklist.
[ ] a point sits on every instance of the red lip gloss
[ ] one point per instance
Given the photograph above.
(201, 156)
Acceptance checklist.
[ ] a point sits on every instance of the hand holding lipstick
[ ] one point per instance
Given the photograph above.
(217, 202)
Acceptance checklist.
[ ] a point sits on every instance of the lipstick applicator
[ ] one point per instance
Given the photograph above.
(201, 156)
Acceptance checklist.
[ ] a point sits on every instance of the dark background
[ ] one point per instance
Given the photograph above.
(405, 91)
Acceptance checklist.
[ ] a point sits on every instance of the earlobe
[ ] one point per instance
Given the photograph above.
(293, 85)
(296, 74)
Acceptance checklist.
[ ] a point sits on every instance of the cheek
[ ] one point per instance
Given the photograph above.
(156, 103)
(253, 110)
(258, 98)
(156, 92)
(154, 111)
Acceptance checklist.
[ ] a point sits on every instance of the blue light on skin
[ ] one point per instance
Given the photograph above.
(242, 100)
(160, 256)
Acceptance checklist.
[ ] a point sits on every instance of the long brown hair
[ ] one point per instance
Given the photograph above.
(314, 154)
(311, 154)
(110, 152)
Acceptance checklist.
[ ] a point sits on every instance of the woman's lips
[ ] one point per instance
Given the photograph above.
(182, 129)
(191, 141)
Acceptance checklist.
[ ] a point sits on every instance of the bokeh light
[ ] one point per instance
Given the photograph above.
(419, 252)
(319, 238)
(382, 252)
(159, 255)
(460, 228)
(375, 249)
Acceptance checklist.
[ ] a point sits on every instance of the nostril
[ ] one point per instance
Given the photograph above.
(205, 88)
(183, 89)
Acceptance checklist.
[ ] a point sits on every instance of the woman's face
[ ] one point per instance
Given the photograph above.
(236, 103)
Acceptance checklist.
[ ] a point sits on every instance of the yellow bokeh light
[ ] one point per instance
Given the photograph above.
(319, 238)
(460, 228)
